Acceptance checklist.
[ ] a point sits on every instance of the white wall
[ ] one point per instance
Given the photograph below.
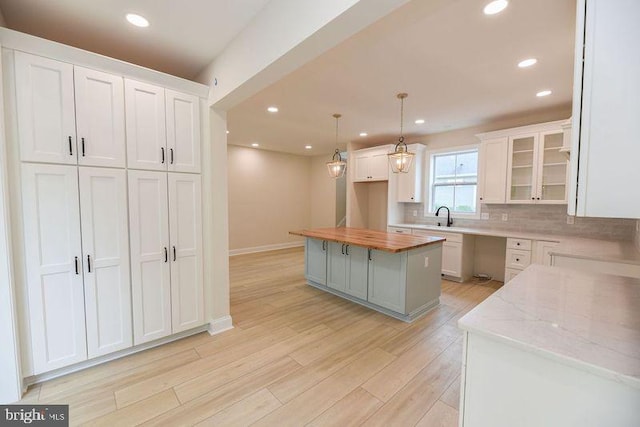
(323, 191)
(269, 195)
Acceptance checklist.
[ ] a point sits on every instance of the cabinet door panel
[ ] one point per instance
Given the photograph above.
(185, 225)
(336, 267)
(54, 283)
(150, 271)
(46, 116)
(105, 239)
(522, 168)
(387, 280)
(145, 126)
(452, 259)
(493, 170)
(361, 170)
(379, 167)
(100, 118)
(357, 272)
(183, 132)
(316, 261)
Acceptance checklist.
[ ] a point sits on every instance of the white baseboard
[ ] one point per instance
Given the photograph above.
(220, 324)
(265, 248)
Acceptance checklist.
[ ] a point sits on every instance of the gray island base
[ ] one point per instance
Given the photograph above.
(400, 281)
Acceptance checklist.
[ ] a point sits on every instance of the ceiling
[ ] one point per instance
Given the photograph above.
(458, 65)
(183, 38)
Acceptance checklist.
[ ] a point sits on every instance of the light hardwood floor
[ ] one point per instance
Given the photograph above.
(297, 356)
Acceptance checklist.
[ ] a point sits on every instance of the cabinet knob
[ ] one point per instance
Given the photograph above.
(518, 244)
(538, 198)
(533, 198)
(518, 259)
(412, 198)
(480, 198)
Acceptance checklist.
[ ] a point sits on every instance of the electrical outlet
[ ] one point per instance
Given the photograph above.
(415, 212)
(426, 261)
(484, 215)
(505, 217)
(571, 220)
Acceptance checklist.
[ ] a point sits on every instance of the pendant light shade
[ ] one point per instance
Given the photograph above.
(401, 159)
(336, 167)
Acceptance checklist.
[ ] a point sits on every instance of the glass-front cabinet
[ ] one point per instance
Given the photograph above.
(537, 170)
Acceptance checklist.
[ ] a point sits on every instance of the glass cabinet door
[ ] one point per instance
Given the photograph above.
(522, 168)
(552, 172)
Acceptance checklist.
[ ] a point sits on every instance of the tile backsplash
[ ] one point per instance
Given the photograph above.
(550, 219)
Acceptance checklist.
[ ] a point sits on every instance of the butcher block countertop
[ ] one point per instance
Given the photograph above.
(372, 239)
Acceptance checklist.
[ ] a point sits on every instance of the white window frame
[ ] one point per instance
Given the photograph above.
(429, 168)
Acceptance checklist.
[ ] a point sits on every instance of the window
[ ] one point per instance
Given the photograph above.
(454, 181)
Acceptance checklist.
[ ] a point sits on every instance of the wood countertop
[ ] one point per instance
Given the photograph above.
(372, 239)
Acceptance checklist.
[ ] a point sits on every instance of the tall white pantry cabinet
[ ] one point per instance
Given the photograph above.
(111, 211)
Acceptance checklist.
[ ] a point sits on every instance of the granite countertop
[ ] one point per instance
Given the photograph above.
(372, 239)
(596, 249)
(586, 320)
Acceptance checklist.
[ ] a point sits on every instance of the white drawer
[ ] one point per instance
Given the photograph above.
(518, 259)
(399, 230)
(510, 273)
(451, 237)
(522, 244)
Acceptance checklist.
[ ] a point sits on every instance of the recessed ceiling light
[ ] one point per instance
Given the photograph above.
(272, 109)
(137, 20)
(543, 93)
(255, 144)
(227, 132)
(308, 147)
(495, 6)
(363, 134)
(527, 62)
(419, 121)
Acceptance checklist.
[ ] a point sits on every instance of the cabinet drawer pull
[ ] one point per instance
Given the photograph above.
(162, 150)
(324, 248)
(70, 147)
(82, 139)
(76, 261)
(369, 254)
(342, 249)
(347, 250)
(166, 254)
(171, 155)
(174, 253)
(89, 263)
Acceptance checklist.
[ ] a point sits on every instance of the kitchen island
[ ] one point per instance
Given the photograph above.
(398, 275)
(554, 347)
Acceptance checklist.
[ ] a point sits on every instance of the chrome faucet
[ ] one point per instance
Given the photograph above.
(449, 220)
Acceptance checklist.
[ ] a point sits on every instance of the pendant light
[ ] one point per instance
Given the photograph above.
(336, 167)
(401, 159)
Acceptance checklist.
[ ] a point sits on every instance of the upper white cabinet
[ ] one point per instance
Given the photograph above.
(410, 184)
(185, 225)
(53, 256)
(45, 110)
(606, 107)
(371, 164)
(493, 170)
(183, 132)
(105, 247)
(146, 128)
(100, 118)
(163, 128)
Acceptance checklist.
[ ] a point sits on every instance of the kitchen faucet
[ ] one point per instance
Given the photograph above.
(449, 220)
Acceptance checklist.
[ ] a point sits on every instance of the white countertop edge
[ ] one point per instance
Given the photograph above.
(565, 360)
(604, 258)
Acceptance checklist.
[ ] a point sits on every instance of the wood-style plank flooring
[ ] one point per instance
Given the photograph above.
(297, 356)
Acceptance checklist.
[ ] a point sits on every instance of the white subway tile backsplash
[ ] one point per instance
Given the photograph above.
(551, 219)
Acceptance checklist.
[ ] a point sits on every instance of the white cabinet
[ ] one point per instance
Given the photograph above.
(183, 132)
(518, 257)
(410, 184)
(457, 254)
(493, 170)
(185, 232)
(53, 255)
(163, 128)
(45, 109)
(537, 168)
(166, 253)
(399, 230)
(100, 118)
(150, 271)
(145, 126)
(606, 107)
(105, 248)
(542, 252)
(371, 164)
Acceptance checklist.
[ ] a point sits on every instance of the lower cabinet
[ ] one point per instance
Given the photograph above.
(315, 266)
(166, 253)
(77, 263)
(457, 254)
(347, 269)
(387, 280)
